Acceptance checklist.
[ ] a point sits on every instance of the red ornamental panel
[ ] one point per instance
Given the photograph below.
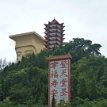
(59, 78)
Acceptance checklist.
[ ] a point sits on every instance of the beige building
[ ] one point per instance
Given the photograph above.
(27, 43)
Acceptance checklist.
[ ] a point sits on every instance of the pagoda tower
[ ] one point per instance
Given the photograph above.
(54, 34)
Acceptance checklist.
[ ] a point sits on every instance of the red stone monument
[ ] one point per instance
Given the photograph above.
(59, 79)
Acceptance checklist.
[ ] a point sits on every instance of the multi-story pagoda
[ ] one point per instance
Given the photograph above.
(54, 34)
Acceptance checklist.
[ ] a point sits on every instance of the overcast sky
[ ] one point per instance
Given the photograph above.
(82, 18)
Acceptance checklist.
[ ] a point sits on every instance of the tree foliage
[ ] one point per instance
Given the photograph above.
(3, 63)
(26, 82)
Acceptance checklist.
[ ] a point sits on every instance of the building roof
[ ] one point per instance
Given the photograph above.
(67, 56)
(54, 21)
(25, 34)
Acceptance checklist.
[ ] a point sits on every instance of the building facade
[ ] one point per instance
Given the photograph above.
(27, 43)
(54, 34)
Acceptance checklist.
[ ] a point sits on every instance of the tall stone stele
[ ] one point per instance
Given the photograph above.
(59, 80)
(54, 34)
(27, 43)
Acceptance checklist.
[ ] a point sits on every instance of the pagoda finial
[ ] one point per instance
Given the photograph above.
(54, 17)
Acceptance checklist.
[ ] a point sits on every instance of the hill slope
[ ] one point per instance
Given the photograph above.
(26, 82)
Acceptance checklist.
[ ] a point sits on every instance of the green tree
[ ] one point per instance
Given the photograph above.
(79, 47)
(3, 63)
(53, 101)
(25, 83)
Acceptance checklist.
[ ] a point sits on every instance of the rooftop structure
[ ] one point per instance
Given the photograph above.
(27, 43)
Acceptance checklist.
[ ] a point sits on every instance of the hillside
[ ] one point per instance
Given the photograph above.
(25, 83)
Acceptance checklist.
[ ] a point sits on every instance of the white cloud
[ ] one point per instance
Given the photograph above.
(82, 18)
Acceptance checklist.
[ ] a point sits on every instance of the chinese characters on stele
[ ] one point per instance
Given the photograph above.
(59, 80)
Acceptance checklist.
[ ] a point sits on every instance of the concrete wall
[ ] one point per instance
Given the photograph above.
(27, 44)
